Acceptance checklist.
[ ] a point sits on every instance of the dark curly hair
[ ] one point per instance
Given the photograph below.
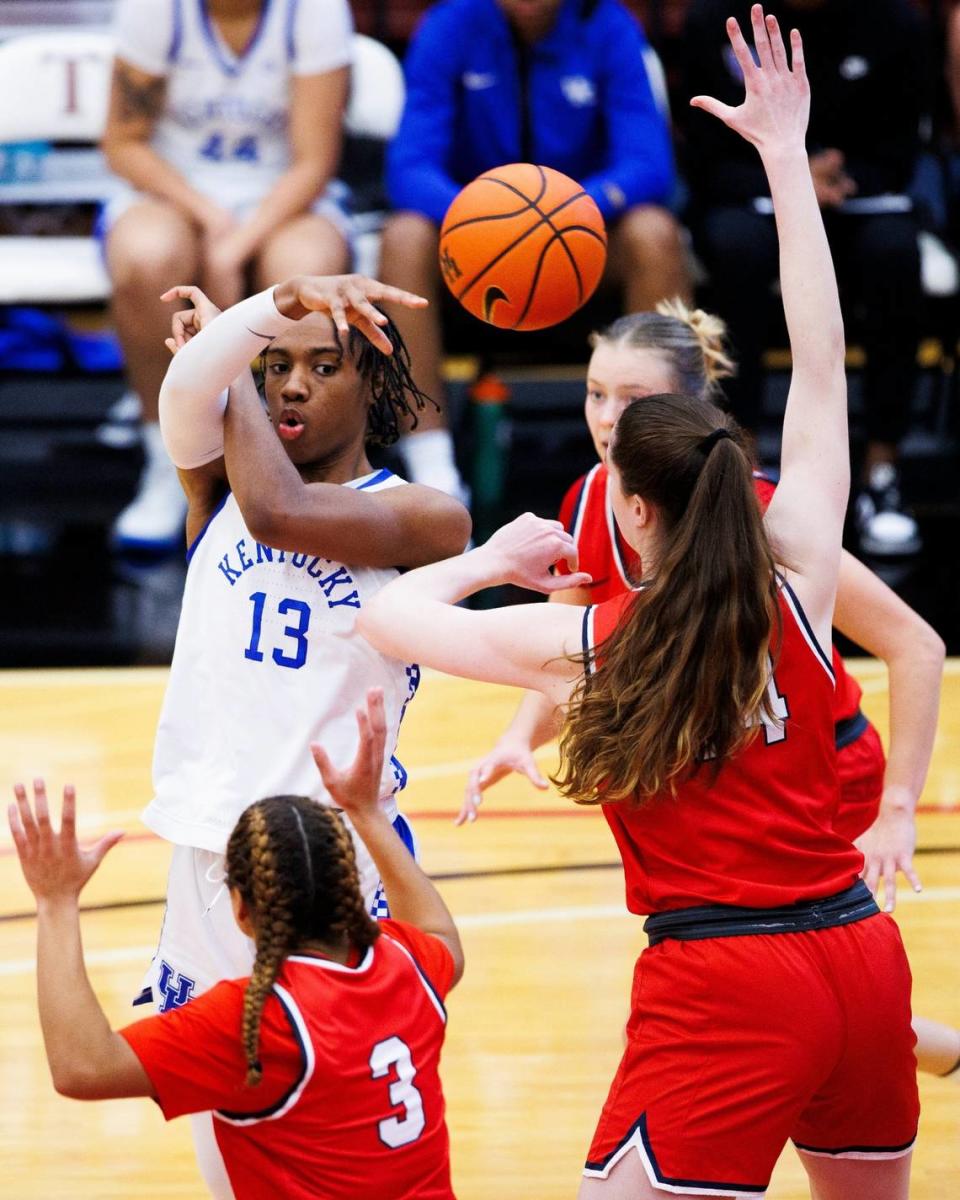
(395, 395)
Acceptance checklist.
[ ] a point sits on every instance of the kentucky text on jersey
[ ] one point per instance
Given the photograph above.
(333, 579)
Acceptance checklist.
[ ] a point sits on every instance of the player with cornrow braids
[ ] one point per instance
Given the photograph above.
(320, 1068)
(277, 850)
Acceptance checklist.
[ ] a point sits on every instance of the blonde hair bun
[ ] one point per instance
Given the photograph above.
(709, 330)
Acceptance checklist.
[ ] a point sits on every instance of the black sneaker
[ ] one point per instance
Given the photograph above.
(883, 526)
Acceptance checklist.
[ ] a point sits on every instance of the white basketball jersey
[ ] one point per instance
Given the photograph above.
(266, 661)
(225, 123)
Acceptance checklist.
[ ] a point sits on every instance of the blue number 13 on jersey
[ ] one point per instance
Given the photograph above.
(297, 633)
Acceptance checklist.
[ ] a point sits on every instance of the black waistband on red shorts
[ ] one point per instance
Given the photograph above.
(849, 729)
(855, 903)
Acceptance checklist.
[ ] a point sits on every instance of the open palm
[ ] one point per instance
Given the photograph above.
(776, 107)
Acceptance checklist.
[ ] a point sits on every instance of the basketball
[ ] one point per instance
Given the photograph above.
(522, 247)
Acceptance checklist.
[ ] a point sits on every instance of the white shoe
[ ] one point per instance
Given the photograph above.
(428, 458)
(154, 520)
(121, 429)
(939, 270)
(885, 529)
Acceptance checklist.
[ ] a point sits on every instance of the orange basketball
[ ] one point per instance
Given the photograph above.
(522, 247)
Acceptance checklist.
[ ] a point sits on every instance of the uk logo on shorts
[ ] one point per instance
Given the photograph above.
(175, 989)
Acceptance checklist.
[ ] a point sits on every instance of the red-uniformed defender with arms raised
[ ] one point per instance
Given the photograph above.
(775, 1000)
(321, 1069)
(678, 350)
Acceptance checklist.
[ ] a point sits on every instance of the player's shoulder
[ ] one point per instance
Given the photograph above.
(425, 954)
(579, 494)
(382, 480)
(600, 620)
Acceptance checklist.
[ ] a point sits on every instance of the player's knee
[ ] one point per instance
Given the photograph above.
(307, 246)
(648, 231)
(408, 245)
(140, 261)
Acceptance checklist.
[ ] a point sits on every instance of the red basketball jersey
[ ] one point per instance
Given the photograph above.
(350, 1103)
(587, 515)
(759, 834)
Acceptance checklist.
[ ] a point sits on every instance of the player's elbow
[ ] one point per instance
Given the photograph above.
(272, 516)
(75, 1079)
(373, 622)
(456, 952)
(454, 534)
(928, 645)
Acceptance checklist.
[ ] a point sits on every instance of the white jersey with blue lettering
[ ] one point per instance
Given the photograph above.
(226, 116)
(266, 661)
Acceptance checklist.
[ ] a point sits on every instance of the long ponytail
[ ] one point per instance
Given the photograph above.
(682, 682)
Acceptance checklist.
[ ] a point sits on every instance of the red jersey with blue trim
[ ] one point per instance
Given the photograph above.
(350, 1104)
(759, 834)
(587, 515)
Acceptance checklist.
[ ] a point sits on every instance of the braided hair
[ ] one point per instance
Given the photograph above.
(395, 395)
(293, 863)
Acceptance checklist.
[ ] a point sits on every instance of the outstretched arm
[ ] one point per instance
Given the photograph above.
(805, 518)
(88, 1061)
(207, 364)
(526, 645)
(411, 895)
(400, 527)
(875, 617)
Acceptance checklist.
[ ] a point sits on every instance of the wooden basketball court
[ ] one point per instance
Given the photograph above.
(535, 1027)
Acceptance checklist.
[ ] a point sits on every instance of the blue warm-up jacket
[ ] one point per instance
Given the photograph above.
(578, 100)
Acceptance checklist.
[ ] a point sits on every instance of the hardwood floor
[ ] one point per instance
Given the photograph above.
(535, 1027)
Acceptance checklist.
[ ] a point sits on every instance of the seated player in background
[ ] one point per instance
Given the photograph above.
(773, 1003)
(676, 350)
(554, 82)
(291, 532)
(306, 1063)
(225, 125)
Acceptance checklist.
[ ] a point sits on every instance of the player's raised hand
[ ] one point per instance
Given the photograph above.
(357, 789)
(526, 549)
(187, 322)
(509, 754)
(348, 299)
(776, 107)
(54, 865)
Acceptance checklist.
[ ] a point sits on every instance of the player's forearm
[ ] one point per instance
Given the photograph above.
(914, 682)
(141, 166)
(811, 301)
(410, 893)
(448, 581)
(194, 392)
(405, 611)
(535, 722)
(76, 1033)
(266, 484)
(209, 363)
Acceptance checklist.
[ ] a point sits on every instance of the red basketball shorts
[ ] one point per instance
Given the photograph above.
(860, 768)
(737, 1045)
